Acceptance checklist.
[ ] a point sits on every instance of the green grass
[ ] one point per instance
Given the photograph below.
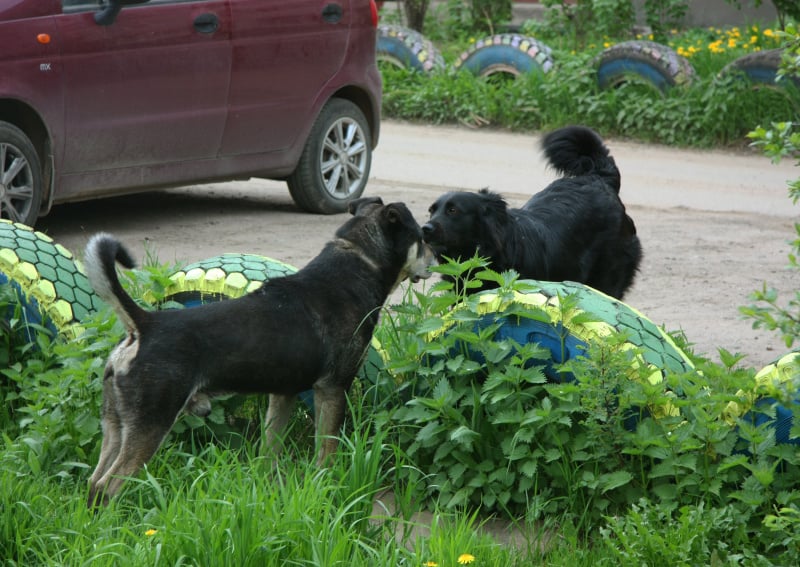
(209, 498)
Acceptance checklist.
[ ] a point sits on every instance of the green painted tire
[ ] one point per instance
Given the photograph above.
(50, 284)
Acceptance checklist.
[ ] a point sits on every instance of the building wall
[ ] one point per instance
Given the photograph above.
(702, 13)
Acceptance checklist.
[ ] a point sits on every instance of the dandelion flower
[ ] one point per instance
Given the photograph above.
(431, 564)
(465, 559)
(151, 532)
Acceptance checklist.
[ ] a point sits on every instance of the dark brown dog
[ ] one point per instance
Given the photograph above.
(307, 330)
(575, 229)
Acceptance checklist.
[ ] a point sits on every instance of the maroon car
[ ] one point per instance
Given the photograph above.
(108, 97)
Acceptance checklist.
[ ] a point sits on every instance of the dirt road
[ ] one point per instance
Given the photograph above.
(714, 225)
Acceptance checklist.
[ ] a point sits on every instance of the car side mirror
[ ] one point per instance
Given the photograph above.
(108, 15)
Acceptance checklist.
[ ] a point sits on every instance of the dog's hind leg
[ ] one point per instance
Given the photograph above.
(139, 442)
(278, 413)
(329, 408)
(112, 442)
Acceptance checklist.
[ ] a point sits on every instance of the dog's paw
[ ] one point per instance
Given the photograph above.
(199, 404)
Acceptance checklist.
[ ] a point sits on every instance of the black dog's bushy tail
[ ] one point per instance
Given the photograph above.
(102, 253)
(578, 150)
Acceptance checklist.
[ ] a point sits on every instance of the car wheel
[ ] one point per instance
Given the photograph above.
(50, 285)
(508, 53)
(760, 68)
(407, 49)
(21, 181)
(643, 61)
(334, 167)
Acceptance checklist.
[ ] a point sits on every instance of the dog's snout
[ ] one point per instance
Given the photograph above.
(427, 230)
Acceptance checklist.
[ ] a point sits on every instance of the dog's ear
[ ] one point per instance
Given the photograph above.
(396, 212)
(493, 205)
(355, 206)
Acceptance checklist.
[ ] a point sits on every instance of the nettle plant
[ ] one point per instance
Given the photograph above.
(484, 427)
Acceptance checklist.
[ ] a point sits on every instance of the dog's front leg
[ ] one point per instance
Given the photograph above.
(278, 414)
(329, 407)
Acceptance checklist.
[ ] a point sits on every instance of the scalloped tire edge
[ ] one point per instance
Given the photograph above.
(407, 48)
(655, 63)
(49, 280)
(510, 53)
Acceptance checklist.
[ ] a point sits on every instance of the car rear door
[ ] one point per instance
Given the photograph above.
(284, 53)
(148, 89)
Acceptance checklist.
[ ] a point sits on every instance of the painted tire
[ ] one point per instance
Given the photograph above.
(407, 49)
(760, 68)
(567, 333)
(232, 275)
(776, 385)
(49, 282)
(507, 53)
(222, 277)
(647, 61)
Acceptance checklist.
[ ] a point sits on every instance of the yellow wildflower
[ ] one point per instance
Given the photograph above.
(465, 559)
(151, 532)
(431, 564)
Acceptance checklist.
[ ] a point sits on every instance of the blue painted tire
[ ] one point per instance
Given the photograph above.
(642, 61)
(50, 286)
(567, 334)
(776, 389)
(408, 49)
(760, 68)
(507, 53)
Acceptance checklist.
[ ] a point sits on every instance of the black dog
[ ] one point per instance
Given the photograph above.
(575, 229)
(306, 330)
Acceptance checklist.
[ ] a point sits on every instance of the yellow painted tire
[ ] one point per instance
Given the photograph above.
(48, 281)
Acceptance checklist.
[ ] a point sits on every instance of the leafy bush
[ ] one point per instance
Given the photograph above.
(781, 140)
(485, 428)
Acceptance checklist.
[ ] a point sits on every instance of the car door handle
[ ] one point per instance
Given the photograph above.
(206, 23)
(332, 13)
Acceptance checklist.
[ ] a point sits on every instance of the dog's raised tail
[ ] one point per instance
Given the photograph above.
(578, 150)
(102, 253)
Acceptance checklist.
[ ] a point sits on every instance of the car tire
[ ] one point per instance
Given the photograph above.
(508, 53)
(760, 68)
(21, 179)
(645, 61)
(335, 163)
(407, 49)
(50, 285)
